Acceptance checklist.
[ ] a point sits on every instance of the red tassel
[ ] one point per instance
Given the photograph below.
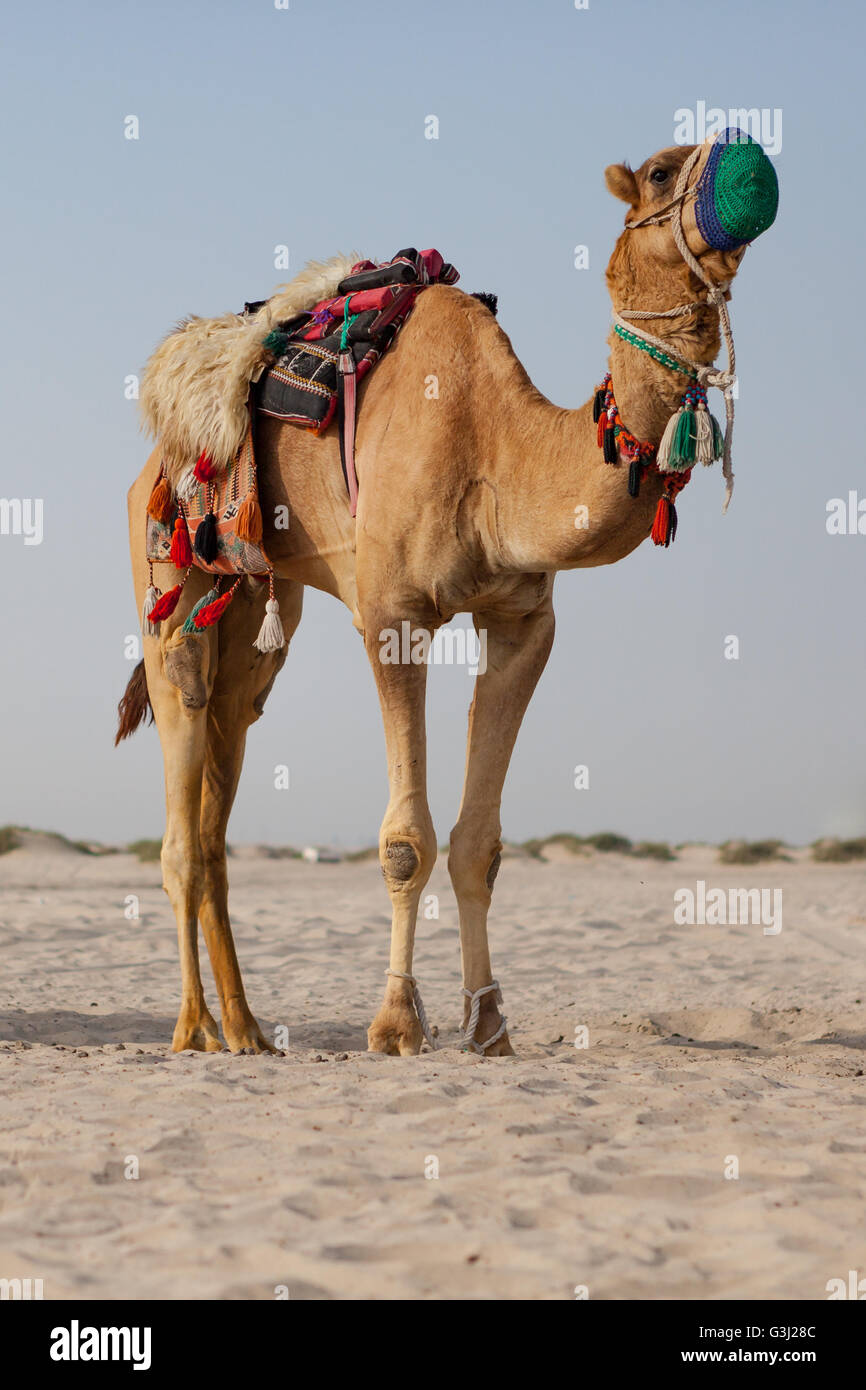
(181, 550)
(165, 606)
(602, 426)
(206, 617)
(161, 503)
(204, 469)
(664, 524)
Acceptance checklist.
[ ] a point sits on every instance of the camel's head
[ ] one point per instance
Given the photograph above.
(722, 194)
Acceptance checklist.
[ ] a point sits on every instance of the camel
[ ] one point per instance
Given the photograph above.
(467, 505)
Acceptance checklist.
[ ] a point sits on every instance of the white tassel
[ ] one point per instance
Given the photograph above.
(148, 628)
(271, 636)
(188, 485)
(703, 437)
(663, 454)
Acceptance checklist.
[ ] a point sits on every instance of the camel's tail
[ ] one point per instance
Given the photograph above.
(134, 705)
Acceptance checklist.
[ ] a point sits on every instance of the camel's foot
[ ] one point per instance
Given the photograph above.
(195, 1030)
(501, 1048)
(242, 1033)
(395, 1029)
(489, 1022)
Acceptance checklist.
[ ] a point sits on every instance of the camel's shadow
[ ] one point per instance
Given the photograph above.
(135, 1027)
(80, 1029)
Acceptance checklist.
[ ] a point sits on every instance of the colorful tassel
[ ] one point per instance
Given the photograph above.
(210, 597)
(248, 526)
(151, 598)
(665, 522)
(181, 550)
(663, 452)
(204, 468)
(206, 546)
(212, 612)
(683, 451)
(271, 636)
(276, 342)
(703, 436)
(166, 604)
(692, 435)
(161, 503)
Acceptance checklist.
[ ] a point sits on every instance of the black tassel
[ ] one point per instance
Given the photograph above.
(597, 407)
(634, 472)
(610, 449)
(672, 526)
(490, 301)
(205, 545)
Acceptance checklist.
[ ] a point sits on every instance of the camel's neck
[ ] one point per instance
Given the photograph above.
(541, 529)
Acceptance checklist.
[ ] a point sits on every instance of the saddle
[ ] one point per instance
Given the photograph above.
(324, 354)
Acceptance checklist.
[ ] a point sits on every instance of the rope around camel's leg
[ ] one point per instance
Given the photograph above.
(419, 1006)
(475, 997)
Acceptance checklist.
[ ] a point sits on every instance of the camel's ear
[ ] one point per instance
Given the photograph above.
(622, 183)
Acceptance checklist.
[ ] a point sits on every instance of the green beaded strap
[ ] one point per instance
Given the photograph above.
(664, 358)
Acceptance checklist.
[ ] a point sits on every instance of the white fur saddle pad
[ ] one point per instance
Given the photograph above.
(196, 384)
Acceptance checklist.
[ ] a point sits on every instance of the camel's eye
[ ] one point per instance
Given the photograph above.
(659, 176)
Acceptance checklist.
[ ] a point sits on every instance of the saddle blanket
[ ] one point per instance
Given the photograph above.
(222, 498)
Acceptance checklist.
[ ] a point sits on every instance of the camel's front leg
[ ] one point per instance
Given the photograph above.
(407, 843)
(516, 653)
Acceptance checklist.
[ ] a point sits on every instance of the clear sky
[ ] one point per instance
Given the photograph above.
(306, 127)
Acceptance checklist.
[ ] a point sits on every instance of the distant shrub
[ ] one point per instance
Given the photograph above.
(653, 849)
(575, 844)
(750, 851)
(8, 838)
(147, 851)
(361, 856)
(838, 851)
(534, 847)
(608, 843)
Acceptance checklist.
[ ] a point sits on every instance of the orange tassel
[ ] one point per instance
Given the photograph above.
(165, 606)
(248, 526)
(181, 550)
(602, 426)
(206, 617)
(161, 503)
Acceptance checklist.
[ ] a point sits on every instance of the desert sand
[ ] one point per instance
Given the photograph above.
(600, 1168)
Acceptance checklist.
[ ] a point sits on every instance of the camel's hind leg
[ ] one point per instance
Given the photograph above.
(517, 649)
(180, 672)
(243, 680)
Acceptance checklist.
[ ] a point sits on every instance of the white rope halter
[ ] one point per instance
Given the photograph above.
(469, 1039)
(706, 375)
(419, 1006)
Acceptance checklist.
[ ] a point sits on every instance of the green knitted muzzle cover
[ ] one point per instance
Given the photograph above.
(738, 192)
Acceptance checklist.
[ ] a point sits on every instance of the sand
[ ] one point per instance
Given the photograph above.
(599, 1168)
